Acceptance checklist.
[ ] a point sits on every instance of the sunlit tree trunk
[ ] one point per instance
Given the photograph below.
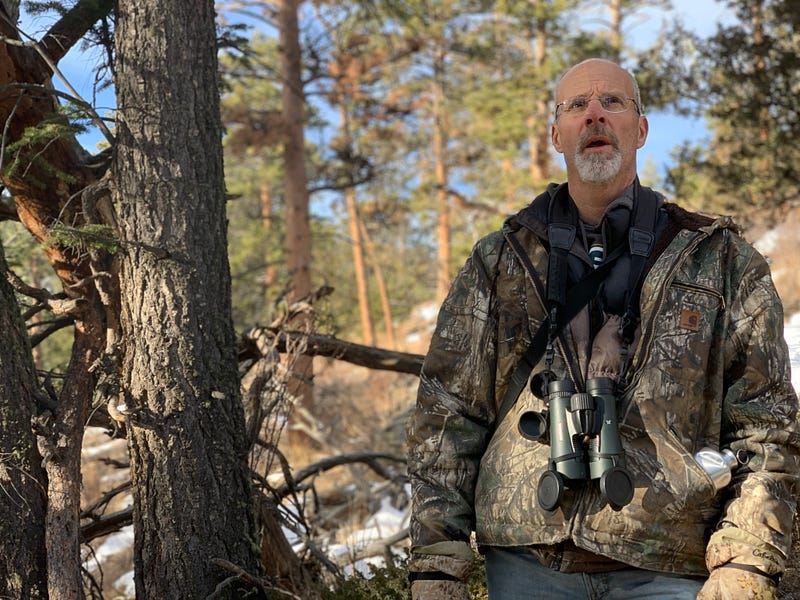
(367, 329)
(538, 123)
(615, 31)
(380, 281)
(440, 176)
(353, 218)
(298, 225)
(192, 496)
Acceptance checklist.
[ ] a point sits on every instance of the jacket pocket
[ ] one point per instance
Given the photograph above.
(667, 478)
(679, 367)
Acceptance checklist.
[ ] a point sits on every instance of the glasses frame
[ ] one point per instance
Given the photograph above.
(599, 99)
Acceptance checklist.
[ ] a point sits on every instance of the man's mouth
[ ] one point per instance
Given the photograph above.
(596, 142)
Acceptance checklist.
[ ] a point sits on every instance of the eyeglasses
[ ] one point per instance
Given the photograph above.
(611, 103)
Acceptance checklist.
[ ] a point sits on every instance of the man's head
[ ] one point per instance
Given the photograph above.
(598, 126)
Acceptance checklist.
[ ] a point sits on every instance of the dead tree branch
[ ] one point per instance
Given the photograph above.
(322, 345)
(328, 463)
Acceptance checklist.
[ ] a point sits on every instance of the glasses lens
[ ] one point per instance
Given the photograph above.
(613, 104)
(577, 105)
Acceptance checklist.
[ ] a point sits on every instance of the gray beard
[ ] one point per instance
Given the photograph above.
(597, 168)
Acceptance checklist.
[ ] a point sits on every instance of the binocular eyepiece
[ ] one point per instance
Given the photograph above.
(582, 429)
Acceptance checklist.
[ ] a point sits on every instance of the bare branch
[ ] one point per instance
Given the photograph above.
(40, 294)
(239, 574)
(73, 26)
(49, 329)
(376, 548)
(107, 524)
(464, 202)
(75, 96)
(320, 345)
(89, 511)
(328, 463)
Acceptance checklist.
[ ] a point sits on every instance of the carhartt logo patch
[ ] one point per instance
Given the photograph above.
(690, 319)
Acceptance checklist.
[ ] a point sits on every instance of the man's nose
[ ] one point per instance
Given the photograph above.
(595, 112)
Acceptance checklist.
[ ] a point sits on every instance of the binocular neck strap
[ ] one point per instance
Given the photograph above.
(564, 305)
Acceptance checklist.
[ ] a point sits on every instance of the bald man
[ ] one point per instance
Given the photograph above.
(605, 410)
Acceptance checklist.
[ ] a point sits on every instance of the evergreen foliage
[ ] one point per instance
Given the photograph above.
(22, 157)
(92, 236)
(390, 582)
(745, 82)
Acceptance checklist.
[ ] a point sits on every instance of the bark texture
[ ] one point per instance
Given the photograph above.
(23, 572)
(192, 493)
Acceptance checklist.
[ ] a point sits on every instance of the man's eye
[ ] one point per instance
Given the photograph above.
(612, 102)
(577, 103)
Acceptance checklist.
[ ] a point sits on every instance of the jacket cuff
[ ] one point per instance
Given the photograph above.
(451, 558)
(734, 545)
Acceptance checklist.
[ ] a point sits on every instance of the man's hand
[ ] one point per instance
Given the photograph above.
(429, 589)
(730, 583)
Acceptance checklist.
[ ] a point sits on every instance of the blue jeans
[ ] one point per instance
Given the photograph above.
(518, 575)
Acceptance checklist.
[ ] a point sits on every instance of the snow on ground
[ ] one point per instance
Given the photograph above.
(792, 335)
(383, 524)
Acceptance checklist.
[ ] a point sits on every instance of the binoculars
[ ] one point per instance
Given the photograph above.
(582, 428)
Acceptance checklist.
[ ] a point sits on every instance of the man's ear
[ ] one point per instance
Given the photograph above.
(644, 127)
(556, 138)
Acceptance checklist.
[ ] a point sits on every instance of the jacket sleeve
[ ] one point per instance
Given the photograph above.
(450, 425)
(759, 417)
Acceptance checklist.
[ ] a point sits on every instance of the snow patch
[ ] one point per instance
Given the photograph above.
(768, 242)
(126, 585)
(791, 333)
(113, 544)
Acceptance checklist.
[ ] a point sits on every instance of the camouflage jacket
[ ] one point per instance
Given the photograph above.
(710, 368)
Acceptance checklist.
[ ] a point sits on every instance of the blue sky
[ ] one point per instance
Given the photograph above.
(666, 130)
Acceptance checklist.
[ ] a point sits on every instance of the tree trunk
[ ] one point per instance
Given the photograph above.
(764, 119)
(538, 123)
(380, 281)
(354, 221)
(23, 567)
(192, 496)
(615, 8)
(62, 454)
(270, 272)
(440, 175)
(298, 227)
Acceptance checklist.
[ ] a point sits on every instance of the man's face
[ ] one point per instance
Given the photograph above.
(599, 146)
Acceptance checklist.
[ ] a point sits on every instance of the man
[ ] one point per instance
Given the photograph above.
(673, 322)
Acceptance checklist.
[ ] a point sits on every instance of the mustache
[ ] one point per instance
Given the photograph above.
(594, 131)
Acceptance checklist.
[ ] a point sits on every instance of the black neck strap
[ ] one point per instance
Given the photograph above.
(563, 305)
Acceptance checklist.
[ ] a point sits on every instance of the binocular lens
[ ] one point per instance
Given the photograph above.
(617, 486)
(550, 490)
